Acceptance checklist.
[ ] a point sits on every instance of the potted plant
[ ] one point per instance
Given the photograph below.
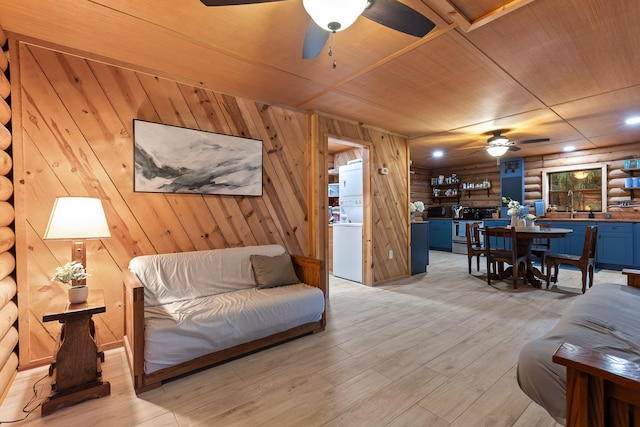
(71, 274)
(414, 207)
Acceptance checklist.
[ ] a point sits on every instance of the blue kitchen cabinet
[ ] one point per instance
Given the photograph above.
(636, 243)
(615, 248)
(571, 244)
(440, 234)
(419, 247)
(511, 181)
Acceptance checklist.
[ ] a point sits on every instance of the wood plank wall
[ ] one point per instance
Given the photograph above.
(389, 228)
(8, 297)
(75, 138)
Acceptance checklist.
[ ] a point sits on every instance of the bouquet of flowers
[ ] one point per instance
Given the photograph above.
(518, 210)
(416, 207)
(70, 271)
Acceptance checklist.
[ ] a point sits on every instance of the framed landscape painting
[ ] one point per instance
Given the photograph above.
(172, 159)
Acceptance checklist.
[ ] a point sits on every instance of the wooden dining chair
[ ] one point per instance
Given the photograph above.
(502, 248)
(541, 247)
(475, 246)
(586, 262)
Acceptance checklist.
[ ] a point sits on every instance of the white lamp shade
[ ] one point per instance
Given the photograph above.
(326, 13)
(497, 150)
(77, 218)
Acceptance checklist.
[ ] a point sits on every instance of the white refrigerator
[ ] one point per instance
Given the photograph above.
(347, 234)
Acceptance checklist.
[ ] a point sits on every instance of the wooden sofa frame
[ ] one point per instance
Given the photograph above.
(308, 270)
(602, 390)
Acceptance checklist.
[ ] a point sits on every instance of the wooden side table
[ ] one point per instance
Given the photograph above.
(76, 367)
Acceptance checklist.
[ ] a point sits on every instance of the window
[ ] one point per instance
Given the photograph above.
(582, 187)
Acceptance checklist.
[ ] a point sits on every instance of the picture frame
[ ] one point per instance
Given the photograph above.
(173, 159)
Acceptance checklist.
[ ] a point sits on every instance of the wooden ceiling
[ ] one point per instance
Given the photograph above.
(568, 70)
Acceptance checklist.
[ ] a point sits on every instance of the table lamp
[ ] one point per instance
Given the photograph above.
(77, 219)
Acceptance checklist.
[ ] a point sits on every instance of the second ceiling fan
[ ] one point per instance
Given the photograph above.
(330, 16)
(498, 144)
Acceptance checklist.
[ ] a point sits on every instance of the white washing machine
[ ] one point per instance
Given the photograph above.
(347, 251)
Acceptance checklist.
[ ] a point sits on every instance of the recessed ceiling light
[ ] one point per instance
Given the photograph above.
(568, 148)
(438, 153)
(633, 120)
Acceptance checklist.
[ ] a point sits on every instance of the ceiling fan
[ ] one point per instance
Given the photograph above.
(498, 144)
(329, 16)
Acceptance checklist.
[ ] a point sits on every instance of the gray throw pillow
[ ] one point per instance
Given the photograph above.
(272, 271)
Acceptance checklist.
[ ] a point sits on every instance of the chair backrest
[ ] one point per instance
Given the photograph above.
(590, 240)
(473, 236)
(500, 239)
(542, 242)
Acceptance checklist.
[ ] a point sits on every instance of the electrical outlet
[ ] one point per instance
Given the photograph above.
(390, 254)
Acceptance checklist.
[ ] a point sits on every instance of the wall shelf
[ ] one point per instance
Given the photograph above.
(443, 188)
(469, 190)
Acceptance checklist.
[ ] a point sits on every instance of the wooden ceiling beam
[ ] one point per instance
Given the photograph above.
(467, 24)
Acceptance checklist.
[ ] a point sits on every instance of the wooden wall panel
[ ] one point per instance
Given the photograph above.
(389, 225)
(77, 139)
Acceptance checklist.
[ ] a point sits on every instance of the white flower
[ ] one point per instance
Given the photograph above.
(417, 206)
(515, 208)
(70, 271)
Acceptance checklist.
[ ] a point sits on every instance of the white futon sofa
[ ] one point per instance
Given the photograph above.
(185, 311)
(585, 371)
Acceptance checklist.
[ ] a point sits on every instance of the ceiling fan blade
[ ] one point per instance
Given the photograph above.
(398, 16)
(233, 2)
(514, 148)
(531, 141)
(314, 41)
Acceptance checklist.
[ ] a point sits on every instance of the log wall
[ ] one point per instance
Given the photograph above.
(75, 138)
(421, 185)
(8, 296)
(614, 159)
(534, 166)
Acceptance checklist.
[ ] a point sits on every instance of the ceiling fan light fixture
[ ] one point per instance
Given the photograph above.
(498, 140)
(334, 15)
(497, 150)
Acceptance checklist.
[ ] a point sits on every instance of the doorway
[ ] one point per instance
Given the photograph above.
(349, 226)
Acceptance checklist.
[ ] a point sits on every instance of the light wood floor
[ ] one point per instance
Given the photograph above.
(434, 350)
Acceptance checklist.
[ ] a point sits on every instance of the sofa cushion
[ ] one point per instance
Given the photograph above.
(272, 271)
(185, 275)
(604, 319)
(178, 332)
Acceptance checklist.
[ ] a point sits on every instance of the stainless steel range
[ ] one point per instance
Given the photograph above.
(459, 235)
(459, 228)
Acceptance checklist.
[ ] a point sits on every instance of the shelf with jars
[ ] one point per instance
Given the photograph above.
(475, 186)
(445, 188)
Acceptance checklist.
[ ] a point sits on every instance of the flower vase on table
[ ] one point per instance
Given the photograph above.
(520, 216)
(74, 275)
(415, 207)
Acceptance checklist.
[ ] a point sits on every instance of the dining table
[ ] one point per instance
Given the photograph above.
(524, 240)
